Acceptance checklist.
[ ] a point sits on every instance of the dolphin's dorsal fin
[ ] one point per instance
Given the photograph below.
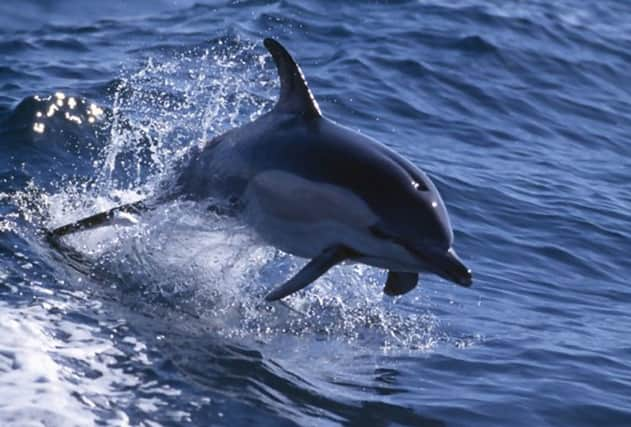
(295, 96)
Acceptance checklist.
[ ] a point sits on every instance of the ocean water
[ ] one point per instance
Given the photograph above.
(520, 112)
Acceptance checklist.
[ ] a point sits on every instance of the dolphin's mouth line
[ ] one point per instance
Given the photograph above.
(426, 259)
(463, 279)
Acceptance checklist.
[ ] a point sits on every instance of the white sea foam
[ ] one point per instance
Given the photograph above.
(37, 390)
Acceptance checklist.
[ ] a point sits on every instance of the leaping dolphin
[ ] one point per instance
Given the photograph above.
(318, 190)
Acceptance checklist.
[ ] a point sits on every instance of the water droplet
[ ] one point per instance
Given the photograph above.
(39, 127)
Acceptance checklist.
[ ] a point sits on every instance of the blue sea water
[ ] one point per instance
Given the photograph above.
(519, 111)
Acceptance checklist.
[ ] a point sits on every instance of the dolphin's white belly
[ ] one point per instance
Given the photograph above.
(304, 218)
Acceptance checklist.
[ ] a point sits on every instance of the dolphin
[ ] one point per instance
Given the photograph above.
(317, 190)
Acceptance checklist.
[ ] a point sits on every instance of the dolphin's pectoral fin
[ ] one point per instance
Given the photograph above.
(310, 272)
(295, 96)
(400, 283)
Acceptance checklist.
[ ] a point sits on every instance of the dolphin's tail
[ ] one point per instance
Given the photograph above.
(100, 219)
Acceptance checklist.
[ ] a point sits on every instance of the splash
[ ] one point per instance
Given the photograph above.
(173, 102)
(216, 271)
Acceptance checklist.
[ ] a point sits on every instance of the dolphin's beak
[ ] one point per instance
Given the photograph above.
(452, 268)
